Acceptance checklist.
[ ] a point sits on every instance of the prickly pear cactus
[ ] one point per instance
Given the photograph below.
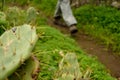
(15, 16)
(2, 16)
(31, 15)
(12, 15)
(15, 47)
(69, 68)
(2, 19)
(28, 71)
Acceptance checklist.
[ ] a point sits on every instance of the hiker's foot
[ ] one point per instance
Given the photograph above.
(73, 29)
(57, 20)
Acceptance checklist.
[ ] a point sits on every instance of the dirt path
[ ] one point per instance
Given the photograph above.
(91, 47)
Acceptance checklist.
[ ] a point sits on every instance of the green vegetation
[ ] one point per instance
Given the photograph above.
(69, 68)
(45, 6)
(101, 22)
(28, 69)
(12, 51)
(51, 43)
(3, 22)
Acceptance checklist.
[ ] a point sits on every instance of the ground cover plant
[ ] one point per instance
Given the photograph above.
(52, 43)
(3, 22)
(12, 51)
(101, 22)
(13, 40)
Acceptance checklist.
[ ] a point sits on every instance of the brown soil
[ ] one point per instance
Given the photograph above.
(91, 47)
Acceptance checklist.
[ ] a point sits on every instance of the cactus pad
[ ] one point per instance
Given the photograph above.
(28, 71)
(2, 16)
(31, 15)
(13, 14)
(69, 68)
(15, 47)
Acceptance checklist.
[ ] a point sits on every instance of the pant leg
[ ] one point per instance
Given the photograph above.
(67, 12)
(58, 9)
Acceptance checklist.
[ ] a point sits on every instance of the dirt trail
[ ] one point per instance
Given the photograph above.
(91, 47)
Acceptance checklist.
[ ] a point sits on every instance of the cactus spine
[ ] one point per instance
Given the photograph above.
(15, 48)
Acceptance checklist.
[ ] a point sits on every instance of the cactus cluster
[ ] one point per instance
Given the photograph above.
(16, 16)
(69, 69)
(16, 45)
(13, 15)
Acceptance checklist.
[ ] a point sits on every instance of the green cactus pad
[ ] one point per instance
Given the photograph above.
(13, 15)
(28, 71)
(15, 47)
(69, 68)
(31, 15)
(2, 16)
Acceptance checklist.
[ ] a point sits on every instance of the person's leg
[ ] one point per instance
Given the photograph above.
(58, 10)
(67, 12)
(68, 15)
(57, 14)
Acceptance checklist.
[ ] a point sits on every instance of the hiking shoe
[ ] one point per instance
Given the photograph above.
(57, 20)
(73, 29)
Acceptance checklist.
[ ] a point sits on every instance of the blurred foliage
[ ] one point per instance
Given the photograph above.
(3, 22)
(51, 43)
(102, 22)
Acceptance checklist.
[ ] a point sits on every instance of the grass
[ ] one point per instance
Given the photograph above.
(47, 50)
(51, 42)
(102, 22)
